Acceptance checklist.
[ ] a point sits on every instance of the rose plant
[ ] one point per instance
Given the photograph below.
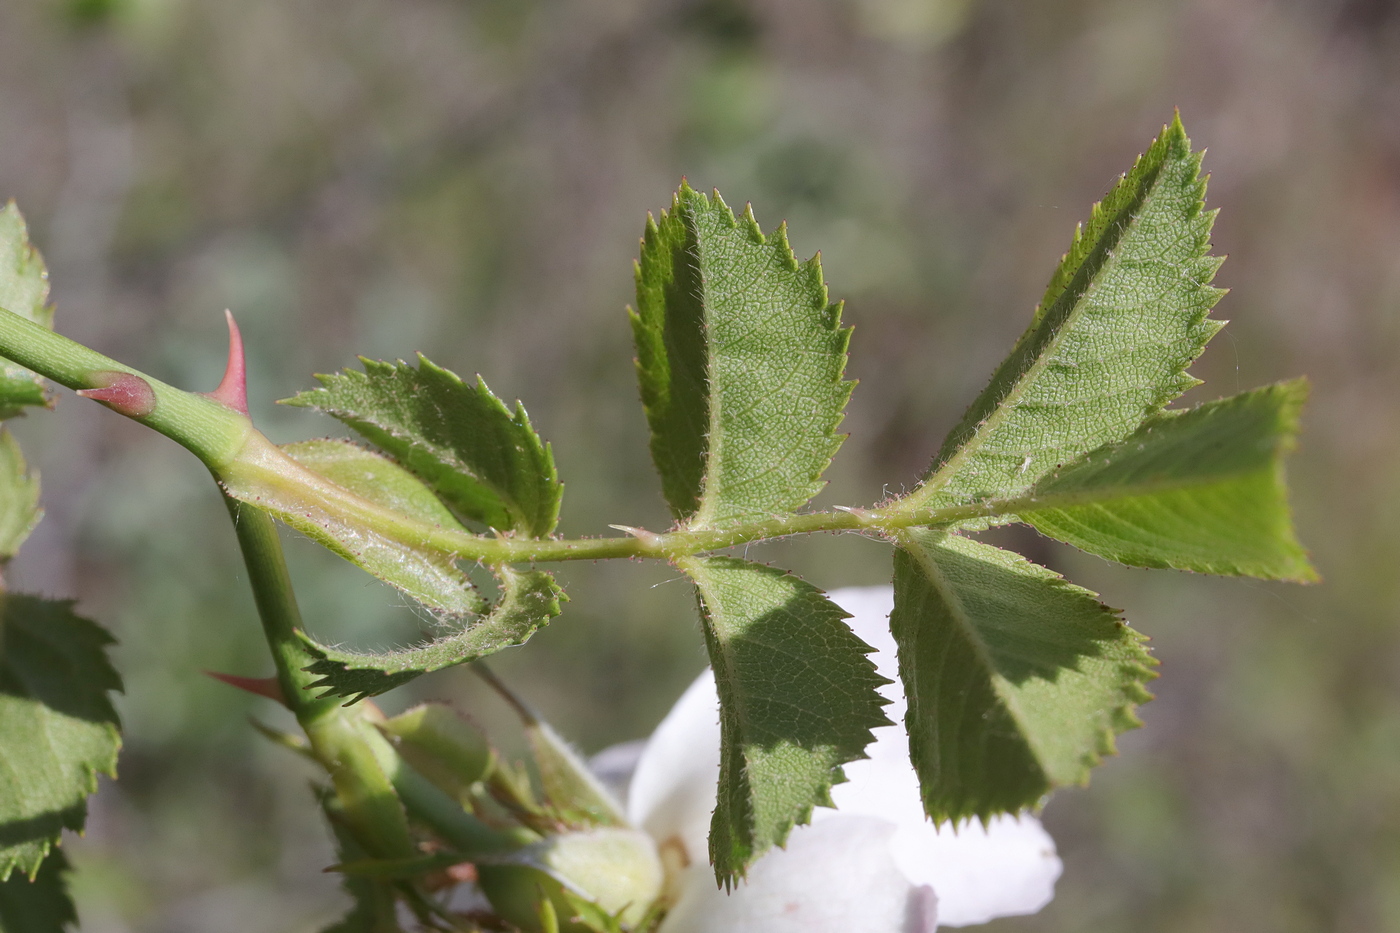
(1011, 682)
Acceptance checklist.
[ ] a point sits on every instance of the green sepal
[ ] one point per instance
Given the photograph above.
(486, 462)
(570, 787)
(572, 792)
(58, 728)
(427, 574)
(798, 699)
(41, 905)
(399, 869)
(19, 497)
(1123, 317)
(1017, 681)
(24, 289)
(374, 909)
(442, 745)
(529, 599)
(616, 871)
(740, 357)
(1192, 490)
(595, 919)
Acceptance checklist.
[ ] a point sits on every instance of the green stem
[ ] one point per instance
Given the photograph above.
(253, 469)
(439, 811)
(207, 429)
(277, 607)
(369, 776)
(335, 732)
(262, 474)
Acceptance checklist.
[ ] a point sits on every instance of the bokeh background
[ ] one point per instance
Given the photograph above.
(470, 177)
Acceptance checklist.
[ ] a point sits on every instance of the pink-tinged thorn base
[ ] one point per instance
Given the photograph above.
(233, 390)
(261, 686)
(124, 393)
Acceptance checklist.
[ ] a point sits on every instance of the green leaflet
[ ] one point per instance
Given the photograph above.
(797, 701)
(41, 905)
(57, 725)
(19, 497)
(739, 358)
(529, 599)
(1124, 316)
(1017, 681)
(429, 575)
(24, 289)
(1195, 490)
(486, 463)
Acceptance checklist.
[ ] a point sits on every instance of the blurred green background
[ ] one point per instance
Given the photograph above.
(469, 178)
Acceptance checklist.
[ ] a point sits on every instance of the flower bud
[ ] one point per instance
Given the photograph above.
(617, 869)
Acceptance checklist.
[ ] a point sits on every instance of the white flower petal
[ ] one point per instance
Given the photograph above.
(835, 877)
(1008, 868)
(673, 790)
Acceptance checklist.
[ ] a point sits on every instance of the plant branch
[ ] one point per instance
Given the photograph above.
(209, 430)
(251, 468)
(369, 775)
(336, 735)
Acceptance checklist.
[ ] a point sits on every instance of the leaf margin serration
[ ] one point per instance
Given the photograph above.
(1118, 213)
(687, 410)
(498, 501)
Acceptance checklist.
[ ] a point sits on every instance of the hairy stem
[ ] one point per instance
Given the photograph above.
(251, 468)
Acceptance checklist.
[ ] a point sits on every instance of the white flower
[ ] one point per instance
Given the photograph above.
(874, 864)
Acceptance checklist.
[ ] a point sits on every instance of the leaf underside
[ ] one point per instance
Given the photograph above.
(58, 729)
(19, 497)
(429, 575)
(1124, 316)
(740, 358)
(24, 289)
(1017, 681)
(797, 701)
(529, 599)
(485, 462)
(41, 905)
(1195, 490)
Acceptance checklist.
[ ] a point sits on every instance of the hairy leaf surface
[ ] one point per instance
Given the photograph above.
(797, 701)
(426, 573)
(24, 289)
(1193, 490)
(1124, 316)
(485, 462)
(41, 905)
(58, 729)
(19, 497)
(529, 599)
(1017, 681)
(739, 357)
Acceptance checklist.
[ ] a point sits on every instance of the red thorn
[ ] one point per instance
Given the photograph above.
(124, 393)
(233, 390)
(261, 686)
